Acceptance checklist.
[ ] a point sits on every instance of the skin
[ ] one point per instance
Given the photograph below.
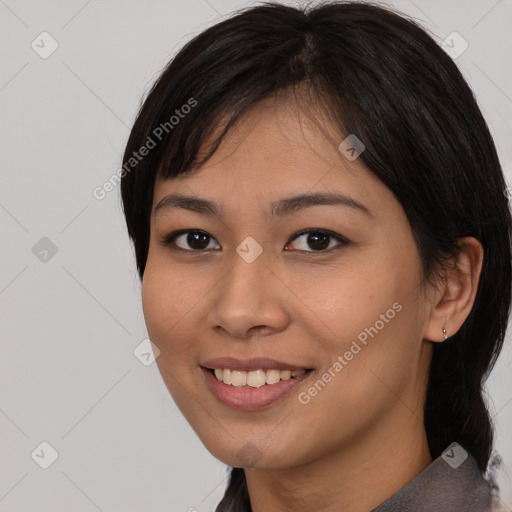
(361, 438)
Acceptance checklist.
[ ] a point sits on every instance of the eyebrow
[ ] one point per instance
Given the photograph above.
(278, 209)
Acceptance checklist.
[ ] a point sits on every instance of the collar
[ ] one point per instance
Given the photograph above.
(444, 486)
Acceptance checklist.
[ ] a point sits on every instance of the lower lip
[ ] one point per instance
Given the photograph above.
(251, 398)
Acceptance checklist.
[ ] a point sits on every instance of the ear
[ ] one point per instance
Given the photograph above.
(456, 291)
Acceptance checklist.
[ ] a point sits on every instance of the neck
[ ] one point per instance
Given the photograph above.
(355, 478)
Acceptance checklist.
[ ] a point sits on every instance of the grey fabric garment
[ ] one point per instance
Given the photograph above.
(443, 488)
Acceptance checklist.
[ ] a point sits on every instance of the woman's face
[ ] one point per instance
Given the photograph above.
(253, 292)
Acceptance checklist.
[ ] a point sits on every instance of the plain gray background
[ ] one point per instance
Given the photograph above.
(70, 303)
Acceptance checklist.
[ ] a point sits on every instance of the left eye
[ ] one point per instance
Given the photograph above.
(318, 240)
(197, 240)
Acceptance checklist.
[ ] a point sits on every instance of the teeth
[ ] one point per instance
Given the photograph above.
(226, 376)
(285, 374)
(238, 378)
(254, 379)
(272, 376)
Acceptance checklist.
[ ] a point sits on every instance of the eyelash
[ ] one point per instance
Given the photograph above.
(170, 238)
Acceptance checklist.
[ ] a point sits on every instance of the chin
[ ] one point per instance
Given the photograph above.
(250, 454)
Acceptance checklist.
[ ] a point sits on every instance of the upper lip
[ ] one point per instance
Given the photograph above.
(247, 365)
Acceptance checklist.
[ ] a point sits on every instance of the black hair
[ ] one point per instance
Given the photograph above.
(380, 76)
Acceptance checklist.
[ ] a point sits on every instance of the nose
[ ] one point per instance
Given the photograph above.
(249, 300)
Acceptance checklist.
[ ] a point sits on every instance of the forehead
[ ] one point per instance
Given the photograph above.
(276, 150)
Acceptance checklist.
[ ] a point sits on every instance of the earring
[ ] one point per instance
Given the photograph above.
(445, 335)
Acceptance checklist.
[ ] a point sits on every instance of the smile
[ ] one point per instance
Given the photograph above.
(255, 378)
(251, 390)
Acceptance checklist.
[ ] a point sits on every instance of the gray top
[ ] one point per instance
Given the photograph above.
(444, 486)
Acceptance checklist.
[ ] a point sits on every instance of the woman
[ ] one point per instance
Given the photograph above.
(323, 236)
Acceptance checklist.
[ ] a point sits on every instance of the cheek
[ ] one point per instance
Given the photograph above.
(352, 300)
(372, 323)
(168, 306)
(373, 365)
(168, 302)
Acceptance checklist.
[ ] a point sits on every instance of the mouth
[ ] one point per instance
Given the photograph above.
(252, 384)
(254, 378)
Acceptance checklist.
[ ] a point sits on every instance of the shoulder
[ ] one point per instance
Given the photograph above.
(451, 483)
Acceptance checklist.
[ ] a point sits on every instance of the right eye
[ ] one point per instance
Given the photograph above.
(190, 240)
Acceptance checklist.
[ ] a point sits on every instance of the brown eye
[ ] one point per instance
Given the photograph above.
(318, 240)
(189, 240)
